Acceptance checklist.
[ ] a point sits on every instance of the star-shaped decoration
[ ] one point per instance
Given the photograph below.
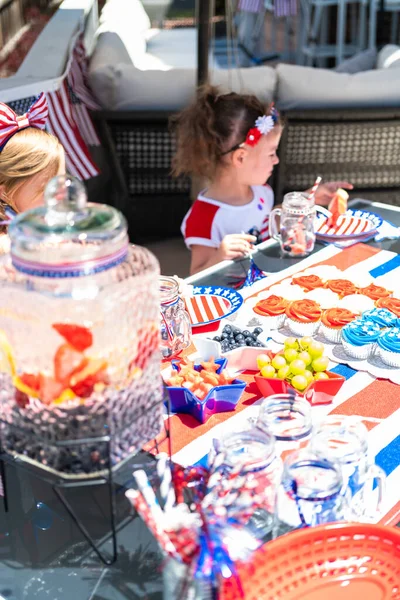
(217, 291)
(219, 399)
(226, 293)
(197, 290)
(208, 290)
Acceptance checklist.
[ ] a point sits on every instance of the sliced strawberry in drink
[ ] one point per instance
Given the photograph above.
(82, 382)
(21, 398)
(30, 380)
(49, 389)
(77, 336)
(68, 361)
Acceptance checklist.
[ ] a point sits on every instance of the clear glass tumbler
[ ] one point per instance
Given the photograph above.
(286, 416)
(312, 492)
(345, 440)
(251, 455)
(296, 231)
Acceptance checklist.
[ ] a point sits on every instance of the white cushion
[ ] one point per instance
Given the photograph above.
(307, 87)
(260, 81)
(389, 57)
(171, 48)
(121, 12)
(362, 61)
(124, 87)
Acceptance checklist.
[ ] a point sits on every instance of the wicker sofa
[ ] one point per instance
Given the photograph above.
(338, 125)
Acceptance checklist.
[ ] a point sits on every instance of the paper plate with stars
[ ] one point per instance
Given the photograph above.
(209, 304)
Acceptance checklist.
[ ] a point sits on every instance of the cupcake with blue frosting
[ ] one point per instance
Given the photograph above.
(381, 316)
(389, 347)
(360, 337)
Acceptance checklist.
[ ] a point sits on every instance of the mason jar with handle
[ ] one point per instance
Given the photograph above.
(296, 229)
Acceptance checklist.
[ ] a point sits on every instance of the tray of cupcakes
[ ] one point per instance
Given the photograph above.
(358, 320)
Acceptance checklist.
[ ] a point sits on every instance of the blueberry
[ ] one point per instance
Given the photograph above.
(241, 343)
(260, 344)
(249, 341)
(217, 338)
(224, 336)
(239, 338)
(236, 330)
(257, 331)
(227, 329)
(234, 346)
(246, 333)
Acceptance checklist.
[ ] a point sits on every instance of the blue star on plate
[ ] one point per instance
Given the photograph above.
(222, 398)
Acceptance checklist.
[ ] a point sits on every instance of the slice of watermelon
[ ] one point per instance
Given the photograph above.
(337, 206)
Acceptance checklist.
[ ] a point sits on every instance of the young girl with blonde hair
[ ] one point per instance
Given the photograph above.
(29, 158)
(230, 140)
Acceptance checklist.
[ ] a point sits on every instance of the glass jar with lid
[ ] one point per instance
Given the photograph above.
(79, 339)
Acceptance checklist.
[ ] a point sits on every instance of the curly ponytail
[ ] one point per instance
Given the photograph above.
(210, 126)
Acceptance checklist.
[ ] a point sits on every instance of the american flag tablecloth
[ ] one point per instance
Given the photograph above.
(377, 402)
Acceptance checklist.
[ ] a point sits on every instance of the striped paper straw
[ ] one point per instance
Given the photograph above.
(167, 491)
(151, 517)
(314, 189)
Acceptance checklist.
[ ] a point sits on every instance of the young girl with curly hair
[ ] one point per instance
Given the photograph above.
(231, 140)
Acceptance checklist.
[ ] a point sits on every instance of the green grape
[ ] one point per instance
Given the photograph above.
(316, 349)
(278, 361)
(320, 375)
(291, 342)
(299, 382)
(283, 372)
(305, 342)
(320, 364)
(262, 360)
(268, 371)
(305, 357)
(297, 367)
(291, 354)
(309, 376)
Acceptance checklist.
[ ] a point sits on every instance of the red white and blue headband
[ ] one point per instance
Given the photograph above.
(262, 126)
(10, 122)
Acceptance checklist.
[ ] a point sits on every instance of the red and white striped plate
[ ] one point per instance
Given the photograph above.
(209, 304)
(347, 226)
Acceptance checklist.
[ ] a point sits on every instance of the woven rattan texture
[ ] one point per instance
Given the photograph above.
(366, 153)
(145, 152)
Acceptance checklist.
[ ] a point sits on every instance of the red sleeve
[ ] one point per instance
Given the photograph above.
(199, 222)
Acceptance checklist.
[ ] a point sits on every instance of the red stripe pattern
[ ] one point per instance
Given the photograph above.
(346, 225)
(10, 122)
(63, 126)
(203, 308)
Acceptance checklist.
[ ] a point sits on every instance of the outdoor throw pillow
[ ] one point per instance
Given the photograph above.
(389, 57)
(362, 61)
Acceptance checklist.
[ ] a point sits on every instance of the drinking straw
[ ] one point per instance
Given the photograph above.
(148, 494)
(314, 189)
(151, 517)
(167, 491)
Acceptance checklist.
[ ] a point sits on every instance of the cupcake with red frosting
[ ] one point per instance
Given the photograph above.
(343, 287)
(392, 304)
(375, 292)
(332, 322)
(273, 310)
(303, 317)
(308, 282)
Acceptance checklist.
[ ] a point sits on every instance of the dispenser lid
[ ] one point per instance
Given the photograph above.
(67, 236)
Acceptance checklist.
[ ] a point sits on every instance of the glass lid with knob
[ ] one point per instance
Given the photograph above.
(67, 236)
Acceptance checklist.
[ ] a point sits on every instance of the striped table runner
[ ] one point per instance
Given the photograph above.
(377, 402)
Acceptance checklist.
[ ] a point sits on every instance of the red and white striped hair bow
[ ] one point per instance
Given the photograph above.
(10, 122)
